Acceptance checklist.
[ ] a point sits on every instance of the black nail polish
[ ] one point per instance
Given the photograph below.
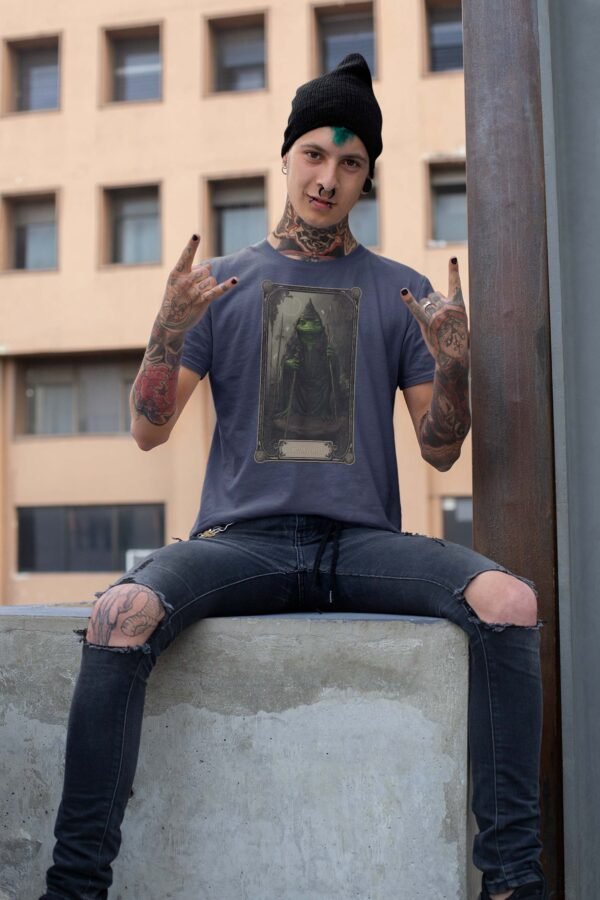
(454, 260)
(404, 292)
(234, 281)
(195, 237)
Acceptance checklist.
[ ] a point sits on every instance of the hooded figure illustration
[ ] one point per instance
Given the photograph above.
(309, 384)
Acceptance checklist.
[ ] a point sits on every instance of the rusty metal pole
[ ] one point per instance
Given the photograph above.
(513, 457)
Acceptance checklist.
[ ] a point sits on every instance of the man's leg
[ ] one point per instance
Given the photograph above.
(413, 575)
(103, 738)
(130, 626)
(506, 724)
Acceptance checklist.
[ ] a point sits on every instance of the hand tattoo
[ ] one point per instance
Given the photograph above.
(445, 330)
(444, 326)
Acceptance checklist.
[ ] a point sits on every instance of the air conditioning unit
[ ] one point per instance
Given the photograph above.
(134, 557)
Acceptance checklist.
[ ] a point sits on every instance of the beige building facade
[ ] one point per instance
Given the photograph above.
(125, 127)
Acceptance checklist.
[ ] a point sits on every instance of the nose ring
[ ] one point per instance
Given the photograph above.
(330, 192)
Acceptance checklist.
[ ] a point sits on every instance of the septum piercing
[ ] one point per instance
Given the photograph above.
(331, 192)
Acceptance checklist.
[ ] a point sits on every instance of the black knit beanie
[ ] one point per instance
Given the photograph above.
(343, 97)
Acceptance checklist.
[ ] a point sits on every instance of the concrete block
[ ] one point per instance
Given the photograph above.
(283, 758)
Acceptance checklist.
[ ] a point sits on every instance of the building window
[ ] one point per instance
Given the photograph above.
(238, 53)
(449, 202)
(458, 520)
(75, 396)
(85, 538)
(35, 75)
(364, 220)
(135, 64)
(31, 232)
(444, 25)
(134, 224)
(343, 30)
(239, 213)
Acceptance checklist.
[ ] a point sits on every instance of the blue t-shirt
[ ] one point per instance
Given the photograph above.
(304, 361)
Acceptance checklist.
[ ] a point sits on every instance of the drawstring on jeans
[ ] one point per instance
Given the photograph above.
(332, 531)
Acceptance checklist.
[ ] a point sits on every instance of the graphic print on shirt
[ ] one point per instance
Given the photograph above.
(308, 368)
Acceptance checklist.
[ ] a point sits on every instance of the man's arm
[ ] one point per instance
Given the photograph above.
(161, 388)
(440, 409)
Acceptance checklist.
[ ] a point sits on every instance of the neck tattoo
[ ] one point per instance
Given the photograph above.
(295, 237)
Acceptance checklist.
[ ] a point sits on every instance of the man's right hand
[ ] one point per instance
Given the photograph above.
(159, 394)
(189, 291)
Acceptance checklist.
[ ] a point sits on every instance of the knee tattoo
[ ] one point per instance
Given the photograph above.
(125, 614)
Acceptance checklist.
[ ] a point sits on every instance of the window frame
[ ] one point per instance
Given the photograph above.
(10, 51)
(376, 195)
(115, 525)
(428, 6)
(129, 363)
(107, 192)
(8, 204)
(459, 165)
(213, 183)
(214, 24)
(445, 506)
(112, 34)
(333, 11)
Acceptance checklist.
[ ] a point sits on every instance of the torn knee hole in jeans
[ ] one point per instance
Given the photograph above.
(133, 648)
(498, 626)
(137, 648)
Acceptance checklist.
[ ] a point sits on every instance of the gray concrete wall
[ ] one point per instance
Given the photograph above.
(570, 69)
(283, 758)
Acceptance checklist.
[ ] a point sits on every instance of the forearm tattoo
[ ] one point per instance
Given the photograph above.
(294, 236)
(155, 388)
(448, 420)
(113, 613)
(446, 423)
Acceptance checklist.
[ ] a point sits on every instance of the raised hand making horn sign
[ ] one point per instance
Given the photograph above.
(443, 320)
(159, 392)
(444, 424)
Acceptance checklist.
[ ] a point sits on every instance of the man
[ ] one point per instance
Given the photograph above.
(300, 507)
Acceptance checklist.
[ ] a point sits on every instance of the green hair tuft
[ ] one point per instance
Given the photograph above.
(341, 135)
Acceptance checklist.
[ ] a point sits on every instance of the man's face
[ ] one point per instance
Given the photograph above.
(334, 159)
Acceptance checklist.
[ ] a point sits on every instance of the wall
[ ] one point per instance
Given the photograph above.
(297, 757)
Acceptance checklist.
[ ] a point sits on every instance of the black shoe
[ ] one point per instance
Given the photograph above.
(533, 891)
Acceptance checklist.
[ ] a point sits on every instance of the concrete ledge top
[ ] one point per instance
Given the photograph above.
(83, 611)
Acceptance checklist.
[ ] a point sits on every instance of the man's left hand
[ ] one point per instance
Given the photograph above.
(443, 320)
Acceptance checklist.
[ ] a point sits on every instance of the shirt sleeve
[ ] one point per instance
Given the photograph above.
(198, 345)
(417, 365)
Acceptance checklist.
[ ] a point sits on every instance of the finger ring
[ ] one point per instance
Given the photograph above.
(427, 305)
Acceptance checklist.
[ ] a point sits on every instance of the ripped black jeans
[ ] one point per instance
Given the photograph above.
(301, 564)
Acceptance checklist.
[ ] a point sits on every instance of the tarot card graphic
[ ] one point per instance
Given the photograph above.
(308, 366)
